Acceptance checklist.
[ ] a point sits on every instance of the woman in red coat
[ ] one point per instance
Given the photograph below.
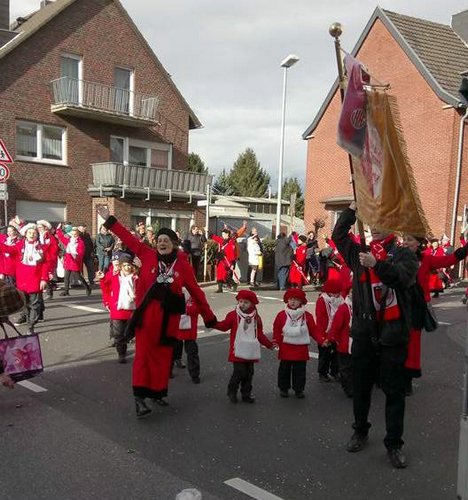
(73, 260)
(297, 269)
(159, 304)
(227, 256)
(428, 263)
(8, 260)
(31, 273)
(292, 330)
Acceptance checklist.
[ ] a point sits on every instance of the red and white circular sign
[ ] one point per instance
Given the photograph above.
(4, 172)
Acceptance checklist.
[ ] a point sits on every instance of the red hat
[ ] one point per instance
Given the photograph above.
(247, 295)
(332, 286)
(295, 293)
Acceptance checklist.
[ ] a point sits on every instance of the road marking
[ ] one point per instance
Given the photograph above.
(86, 308)
(32, 387)
(313, 354)
(251, 490)
(443, 323)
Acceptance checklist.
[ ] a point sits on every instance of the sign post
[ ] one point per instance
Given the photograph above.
(5, 158)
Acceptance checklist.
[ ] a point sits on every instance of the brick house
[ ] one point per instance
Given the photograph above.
(91, 117)
(424, 62)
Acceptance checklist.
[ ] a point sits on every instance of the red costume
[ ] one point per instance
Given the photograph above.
(435, 283)
(340, 328)
(7, 259)
(298, 265)
(71, 262)
(153, 351)
(227, 253)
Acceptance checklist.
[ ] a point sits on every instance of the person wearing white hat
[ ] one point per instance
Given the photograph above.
(31, 273)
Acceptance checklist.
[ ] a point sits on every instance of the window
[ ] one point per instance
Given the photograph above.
(140, 153)
(39, 142)
(123, 81)
(32, 211)
(71, 71)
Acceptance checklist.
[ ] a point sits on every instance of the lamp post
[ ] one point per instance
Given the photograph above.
(286, 63)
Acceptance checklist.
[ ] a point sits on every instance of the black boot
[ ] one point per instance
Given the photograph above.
(142, 408)
(220, 287)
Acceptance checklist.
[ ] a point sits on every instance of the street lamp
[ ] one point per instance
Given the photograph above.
(286, 63)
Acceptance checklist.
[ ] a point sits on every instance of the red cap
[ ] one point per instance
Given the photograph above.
(332, 286)
(295, 293)
(247, 295)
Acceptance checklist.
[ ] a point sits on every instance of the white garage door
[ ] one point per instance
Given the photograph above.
(31, 211)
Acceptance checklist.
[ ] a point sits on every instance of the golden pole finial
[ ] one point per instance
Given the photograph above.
(335, 30)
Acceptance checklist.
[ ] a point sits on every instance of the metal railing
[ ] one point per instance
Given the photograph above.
(157, 179)
(68, 91)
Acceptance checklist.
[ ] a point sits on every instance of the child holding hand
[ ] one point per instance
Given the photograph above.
(292, 330)
(246, 335)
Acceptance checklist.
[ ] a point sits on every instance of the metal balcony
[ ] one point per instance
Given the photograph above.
(116, 179)
(103, 102)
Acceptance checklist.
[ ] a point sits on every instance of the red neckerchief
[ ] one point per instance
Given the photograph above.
(377, 247)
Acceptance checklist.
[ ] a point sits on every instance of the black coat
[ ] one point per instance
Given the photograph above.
(398, 272)
(283, 252)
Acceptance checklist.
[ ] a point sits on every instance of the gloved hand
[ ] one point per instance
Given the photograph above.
(211, 322)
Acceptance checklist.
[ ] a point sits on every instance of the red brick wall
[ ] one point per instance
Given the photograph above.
(431, 134)
(98, 31)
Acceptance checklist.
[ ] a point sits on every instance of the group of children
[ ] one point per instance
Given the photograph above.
(293, 330)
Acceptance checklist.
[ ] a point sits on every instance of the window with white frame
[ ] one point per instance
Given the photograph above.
(140, 153)
(40, 142)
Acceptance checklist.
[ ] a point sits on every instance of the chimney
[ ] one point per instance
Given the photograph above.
(460, 25)
(5, 15)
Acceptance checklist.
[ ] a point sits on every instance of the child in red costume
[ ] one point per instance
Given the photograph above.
(297, 269)
(325, 309)
(339, 337)
(246, 335)
(292, 329)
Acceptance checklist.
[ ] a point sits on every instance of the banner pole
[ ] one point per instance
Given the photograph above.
(335, 31)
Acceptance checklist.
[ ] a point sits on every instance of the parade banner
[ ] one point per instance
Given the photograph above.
(386, 193)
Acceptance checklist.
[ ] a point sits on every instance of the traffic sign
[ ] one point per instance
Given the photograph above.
(4, 172)
(5, 156)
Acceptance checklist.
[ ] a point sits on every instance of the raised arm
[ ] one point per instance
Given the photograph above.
(344, 241)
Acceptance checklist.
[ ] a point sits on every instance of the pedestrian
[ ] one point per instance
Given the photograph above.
(292, 330)
(104, 247)
(421, 297)
(188, 331)
(159, 304)
(338, 336)
(119, 297)
(246, 334)
(325, 309)
(436, 285)
(227, 256)
(194, 244)
(31, 273)
(73, 259)
(255, 252)
(312, 264)
(89, 254)
(8, 260)
(283, 258)
(380, 329)
(150, 237)
(106, 290)
(297, 269)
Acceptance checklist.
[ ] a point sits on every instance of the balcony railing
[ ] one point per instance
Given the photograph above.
(80, 97)
(129, 178)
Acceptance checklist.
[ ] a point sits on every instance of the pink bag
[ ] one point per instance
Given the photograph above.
(21, 356)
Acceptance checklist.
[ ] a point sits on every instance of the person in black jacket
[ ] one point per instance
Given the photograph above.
(380, 329)
(88, 259)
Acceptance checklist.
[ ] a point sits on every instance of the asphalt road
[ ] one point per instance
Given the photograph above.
(79, 437)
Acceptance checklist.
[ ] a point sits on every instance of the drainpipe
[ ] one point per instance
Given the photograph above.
(458, 178)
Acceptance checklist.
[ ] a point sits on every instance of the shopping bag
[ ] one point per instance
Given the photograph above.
(20, 355)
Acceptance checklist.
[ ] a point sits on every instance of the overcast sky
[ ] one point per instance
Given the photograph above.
(225, 56)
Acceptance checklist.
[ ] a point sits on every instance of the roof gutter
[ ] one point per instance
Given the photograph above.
(456, 195)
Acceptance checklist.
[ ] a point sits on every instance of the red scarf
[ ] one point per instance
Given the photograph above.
(392, 311)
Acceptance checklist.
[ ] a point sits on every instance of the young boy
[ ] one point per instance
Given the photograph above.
(325, 308)
(292, 329)
(339, 336)
(246, 335)
(119, 297)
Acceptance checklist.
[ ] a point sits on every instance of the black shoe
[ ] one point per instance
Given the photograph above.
(122, 359)
(464, 300)
(40, 319)
(64, 294)
(436, 295)
(234, 288)
(219, 290)
(409, 388)
(196, 380)
(248, 399)
(284, 394)
(300, 395)
(20, 321)
(232, 397)
(356, 443)
(142, 408)
(397, 458)
(324, 378)
(88, 291)
(179, 364)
